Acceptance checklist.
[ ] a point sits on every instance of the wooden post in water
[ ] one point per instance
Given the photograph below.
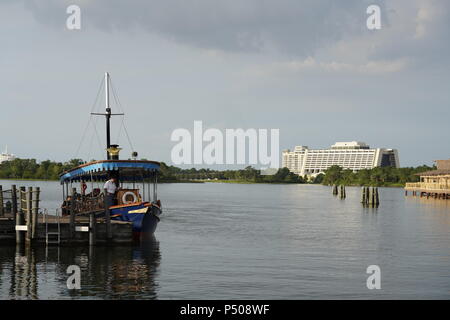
(377, 198)
(370, 200)
(14, 201)
(23, 200)
(17, 214)
(29, 197)
(72, 214)
(35, 211)
(343, 192)
(92, 231)
(363, 195)
(335, 190)
(108, 220)
(2, 211)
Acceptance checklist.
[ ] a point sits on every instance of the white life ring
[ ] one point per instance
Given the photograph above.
(129, 193)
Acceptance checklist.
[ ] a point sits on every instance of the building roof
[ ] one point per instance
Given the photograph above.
(438, 172)
(350, 145)
(443, 164)
(443, 168)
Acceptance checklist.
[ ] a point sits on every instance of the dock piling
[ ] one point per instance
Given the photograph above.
(363, 195)
(2, 210)
(14, 211)
(335, 190)
(92, 231)
(16, 214)
(72, 213)
(370, 197)
(34, 211)
(377, 198)
(370, 200)
(29, 201)
(342, 193)
(108, 220)
(19, 214)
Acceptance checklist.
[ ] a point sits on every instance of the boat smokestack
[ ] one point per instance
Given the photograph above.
(113, 152)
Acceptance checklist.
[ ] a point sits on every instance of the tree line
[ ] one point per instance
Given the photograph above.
(379, 176)
(249, 175)
(31, 169)
(49, 170)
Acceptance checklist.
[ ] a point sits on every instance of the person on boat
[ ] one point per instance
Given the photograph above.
(110, 188)
(83, 188)
(95, 192)
(65, 207)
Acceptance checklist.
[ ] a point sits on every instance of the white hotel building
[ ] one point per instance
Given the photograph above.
(5, 156)
(352, 155)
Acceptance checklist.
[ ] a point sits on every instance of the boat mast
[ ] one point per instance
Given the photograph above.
(107, 115)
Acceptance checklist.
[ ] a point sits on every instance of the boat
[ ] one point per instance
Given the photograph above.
(136, 200)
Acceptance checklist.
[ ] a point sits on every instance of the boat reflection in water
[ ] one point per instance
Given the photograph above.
(106, 272)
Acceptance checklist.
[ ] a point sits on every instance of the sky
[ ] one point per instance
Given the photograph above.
(311, 69)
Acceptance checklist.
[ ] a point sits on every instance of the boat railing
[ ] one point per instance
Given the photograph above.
(412, 185)
(427, 186)
(86, 204)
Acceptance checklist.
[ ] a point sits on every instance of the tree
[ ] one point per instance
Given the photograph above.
(319, 178)
(333, 175)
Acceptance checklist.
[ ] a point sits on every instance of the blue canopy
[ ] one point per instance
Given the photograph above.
(98, 170)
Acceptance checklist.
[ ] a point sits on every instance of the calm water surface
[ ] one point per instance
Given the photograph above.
(237, 241)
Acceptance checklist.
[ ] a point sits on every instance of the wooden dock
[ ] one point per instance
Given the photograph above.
(22, 221)
(428, 189)
(434, 183)
(121, 231)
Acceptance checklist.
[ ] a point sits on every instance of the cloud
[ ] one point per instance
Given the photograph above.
(288, 26)
(417, 29)
(310, 64)
(426, 14)
(332, 33)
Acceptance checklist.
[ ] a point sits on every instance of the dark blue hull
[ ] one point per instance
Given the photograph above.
(144, 216)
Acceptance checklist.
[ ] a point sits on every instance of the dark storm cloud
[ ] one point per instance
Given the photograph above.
(294, 27)
(321, 75)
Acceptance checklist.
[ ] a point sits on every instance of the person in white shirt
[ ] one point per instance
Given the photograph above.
(110, 188)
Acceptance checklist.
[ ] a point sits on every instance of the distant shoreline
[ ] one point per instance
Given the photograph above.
(55, 180)
(247, 182)
(224, 181)
(161, 182)
(25, 179)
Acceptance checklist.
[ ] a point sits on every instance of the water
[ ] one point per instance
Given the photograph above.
(237, 241)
